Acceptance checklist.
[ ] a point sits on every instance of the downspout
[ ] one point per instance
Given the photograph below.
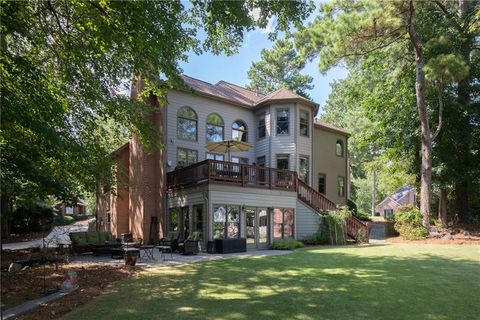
(347, 173)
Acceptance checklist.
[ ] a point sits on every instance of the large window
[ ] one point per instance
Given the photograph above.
(322, 183)
(215, 128)
(239, 131)
(197, 222)
(341, 186)
(262, 129)
(339, 148)
(304, 123)
(261, 161)
(173, 219)
(215, 156)
(283, 223)
(283, 120)
(304, 170)
(282, 161)
(240, 160)
(186, 157)
(187, 124)
(226, 221)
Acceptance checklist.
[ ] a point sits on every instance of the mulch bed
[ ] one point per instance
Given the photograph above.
(21, 286)
(24, 236)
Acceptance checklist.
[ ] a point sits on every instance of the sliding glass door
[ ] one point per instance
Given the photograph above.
(257, 230)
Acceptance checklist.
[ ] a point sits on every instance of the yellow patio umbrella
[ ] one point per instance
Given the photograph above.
(228, 146)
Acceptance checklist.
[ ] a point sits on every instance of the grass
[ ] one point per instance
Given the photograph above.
(392, 281)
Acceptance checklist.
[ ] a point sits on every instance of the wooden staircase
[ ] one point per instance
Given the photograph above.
(319, 202)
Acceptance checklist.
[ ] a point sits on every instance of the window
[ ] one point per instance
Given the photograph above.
(198, 221)
(283, 118)
(304, 170)
(339, 148)
(388, 212)
(322, 183)
(262, 129)
(214, 156)
(341, 186)
(282, 161)
(226, 221)
(240, 160)
(215, 128)
(304, 123)
(283, 223)
(239, 131)
(173, 219)
(261, 161)
(187, 124)
(186, 157)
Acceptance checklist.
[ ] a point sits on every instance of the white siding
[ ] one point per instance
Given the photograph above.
(283, 144)
(203, 107)
(262, 146)
(307, 221)
(304, 144)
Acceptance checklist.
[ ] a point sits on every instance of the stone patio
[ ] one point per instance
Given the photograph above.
(176, 259)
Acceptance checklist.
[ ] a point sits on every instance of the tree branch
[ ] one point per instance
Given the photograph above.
(443, 8)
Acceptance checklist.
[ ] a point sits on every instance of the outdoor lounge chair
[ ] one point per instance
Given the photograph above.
(190, 245)
(171, 240)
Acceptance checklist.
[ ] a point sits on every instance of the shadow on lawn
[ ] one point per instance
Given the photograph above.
(309, 284)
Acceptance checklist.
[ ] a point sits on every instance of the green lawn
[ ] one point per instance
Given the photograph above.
(394, 281)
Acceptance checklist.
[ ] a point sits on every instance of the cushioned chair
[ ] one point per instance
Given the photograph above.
(190, 245)
(171, 240)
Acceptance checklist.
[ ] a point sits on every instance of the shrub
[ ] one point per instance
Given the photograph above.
(408, 222)
(35, 217)
(60, 220)
(288, 244)
(318, 238)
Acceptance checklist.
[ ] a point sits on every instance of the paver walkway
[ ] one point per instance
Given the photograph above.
(176, 259)
(58, 235)
(377, 232)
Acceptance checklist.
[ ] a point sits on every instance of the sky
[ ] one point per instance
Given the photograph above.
(233, 69)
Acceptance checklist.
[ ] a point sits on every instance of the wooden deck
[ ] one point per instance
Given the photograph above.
(235, 174)
(249, 176)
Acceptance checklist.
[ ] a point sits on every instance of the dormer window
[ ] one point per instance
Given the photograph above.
(283, 121)
(239, 131)
(339, 148)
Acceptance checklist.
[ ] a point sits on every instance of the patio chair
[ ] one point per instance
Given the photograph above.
(190, 245)
(171, 240)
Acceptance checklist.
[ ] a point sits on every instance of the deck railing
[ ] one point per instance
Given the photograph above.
(223, 172)
(245, 175)
(355, 228)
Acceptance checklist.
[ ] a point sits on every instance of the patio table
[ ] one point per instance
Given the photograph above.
(165, 249)
(146, 252)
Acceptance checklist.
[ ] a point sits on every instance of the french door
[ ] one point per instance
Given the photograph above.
(257, 227)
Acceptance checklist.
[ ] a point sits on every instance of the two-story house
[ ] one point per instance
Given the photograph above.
(295, 167)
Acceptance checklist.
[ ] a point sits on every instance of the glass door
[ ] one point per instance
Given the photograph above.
(250, 226)
(257, 227)
(262, 215)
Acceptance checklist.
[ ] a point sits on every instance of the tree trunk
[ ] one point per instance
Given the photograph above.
(462, 212)
(442, 207)
(425, 135)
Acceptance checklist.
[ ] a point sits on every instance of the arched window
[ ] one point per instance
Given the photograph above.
(239, 131)
(339, 148)
(215, 128)
(187, 124)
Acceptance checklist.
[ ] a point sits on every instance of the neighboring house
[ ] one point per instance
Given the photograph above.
(67, 209)
(404, 196)
(296, 166)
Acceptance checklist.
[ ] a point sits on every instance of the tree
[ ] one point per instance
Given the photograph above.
(279, 68)
(351, 30)
(63, 64)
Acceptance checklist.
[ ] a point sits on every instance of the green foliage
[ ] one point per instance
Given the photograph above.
(60, 220)
(318, 238)
(66, 64)
(286, 244)
(408, 222)
(336, 225)
(279, 68)
(32, 217)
